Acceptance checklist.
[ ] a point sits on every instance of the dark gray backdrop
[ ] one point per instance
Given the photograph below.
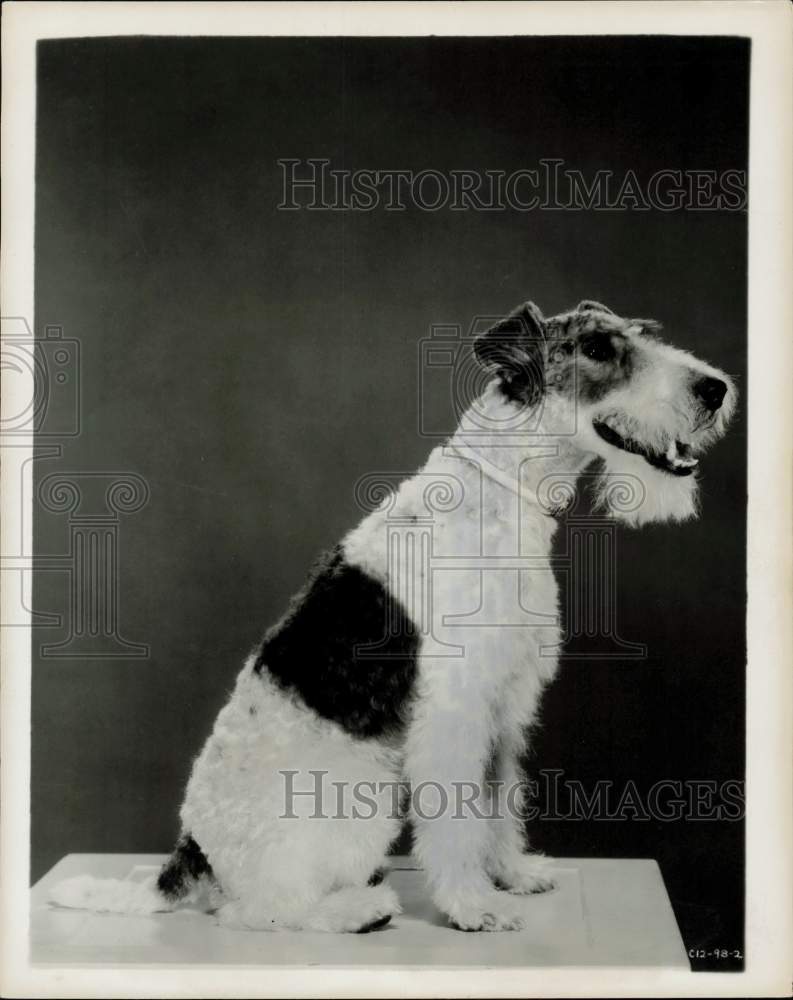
(251, 364)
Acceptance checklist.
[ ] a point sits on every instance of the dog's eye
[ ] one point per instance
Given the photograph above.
(598, 347)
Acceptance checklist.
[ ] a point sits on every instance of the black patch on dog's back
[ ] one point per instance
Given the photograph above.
(347, 648)
(185, 866)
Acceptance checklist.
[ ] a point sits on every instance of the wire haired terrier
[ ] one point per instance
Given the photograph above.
(356, 683)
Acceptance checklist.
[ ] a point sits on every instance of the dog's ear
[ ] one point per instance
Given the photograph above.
(514, 349)
(589, 305)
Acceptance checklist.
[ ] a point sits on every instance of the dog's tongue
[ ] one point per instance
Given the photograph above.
(679, 456)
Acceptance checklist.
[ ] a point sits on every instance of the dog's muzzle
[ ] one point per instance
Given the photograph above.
(677, 460)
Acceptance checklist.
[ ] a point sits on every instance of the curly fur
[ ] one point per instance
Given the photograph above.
(469, 572)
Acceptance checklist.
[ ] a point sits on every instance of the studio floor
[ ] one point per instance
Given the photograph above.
(603, 912)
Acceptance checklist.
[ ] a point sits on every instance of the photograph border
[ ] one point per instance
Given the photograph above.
(769, 802)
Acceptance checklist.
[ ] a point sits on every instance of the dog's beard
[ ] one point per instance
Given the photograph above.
(649, 467)
(636, 493)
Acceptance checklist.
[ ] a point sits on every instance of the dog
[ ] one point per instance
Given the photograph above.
(408, 658)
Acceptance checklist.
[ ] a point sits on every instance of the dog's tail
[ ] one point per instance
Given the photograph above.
(182, 879)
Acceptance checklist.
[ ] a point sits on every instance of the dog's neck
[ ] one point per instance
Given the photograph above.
(520, 455)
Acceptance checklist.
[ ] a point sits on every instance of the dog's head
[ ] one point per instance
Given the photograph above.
(645, 408)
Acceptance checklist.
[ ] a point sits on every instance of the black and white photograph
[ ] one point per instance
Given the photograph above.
(396, 452)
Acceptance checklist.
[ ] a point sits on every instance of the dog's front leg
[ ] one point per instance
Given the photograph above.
(509, 862)
(448, 746)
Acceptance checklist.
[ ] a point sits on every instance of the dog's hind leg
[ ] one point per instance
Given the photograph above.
(353, 909)
(313, 875)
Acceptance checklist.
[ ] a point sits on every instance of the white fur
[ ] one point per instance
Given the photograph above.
(468, 557)
(655, 408)
(273, 870)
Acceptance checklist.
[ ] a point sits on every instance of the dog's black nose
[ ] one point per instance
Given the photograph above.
(711, 391)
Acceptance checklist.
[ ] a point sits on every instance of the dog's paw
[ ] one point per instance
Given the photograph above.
(531, 873)
(487, 921)
(488, 912)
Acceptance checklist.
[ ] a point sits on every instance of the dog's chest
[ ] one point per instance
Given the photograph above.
(476, 576)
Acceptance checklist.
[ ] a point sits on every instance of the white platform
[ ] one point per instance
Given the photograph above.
(604, 912)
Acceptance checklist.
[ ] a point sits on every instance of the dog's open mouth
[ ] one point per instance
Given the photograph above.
(677, 460)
